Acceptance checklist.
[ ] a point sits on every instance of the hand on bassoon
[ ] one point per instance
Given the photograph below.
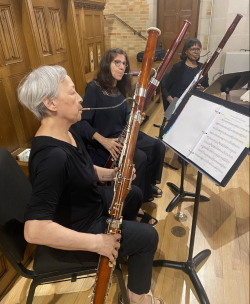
(133, 176)
(200, 87)
(143, 114)
(112, 146)
(108, 245)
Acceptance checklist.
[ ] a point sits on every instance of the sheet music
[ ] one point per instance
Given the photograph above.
(186, 132)
(222, 144)
(210, 135)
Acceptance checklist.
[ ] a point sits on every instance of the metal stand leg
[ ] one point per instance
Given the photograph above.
(189, 267)
(180, 192)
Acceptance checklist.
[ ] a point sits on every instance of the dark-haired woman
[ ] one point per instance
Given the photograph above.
(101, 128)
(183, 72)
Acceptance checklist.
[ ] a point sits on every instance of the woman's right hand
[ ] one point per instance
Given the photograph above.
(169, 99)
(108, 245)
(112, 146)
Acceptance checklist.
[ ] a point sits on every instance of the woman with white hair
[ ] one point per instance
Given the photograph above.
(66, 211)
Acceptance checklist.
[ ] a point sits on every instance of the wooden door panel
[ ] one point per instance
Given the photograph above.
(94, 38)
(171, 15)
(14, 60)
(8, 136)
(53, 39)
(97, 26)
(89, 26)
(29, 121)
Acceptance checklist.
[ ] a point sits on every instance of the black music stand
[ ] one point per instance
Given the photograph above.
(190, 266)
(180, 192)
(229, 82)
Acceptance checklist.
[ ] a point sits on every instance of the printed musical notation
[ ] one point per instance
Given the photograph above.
(212, 136)
(222, 143)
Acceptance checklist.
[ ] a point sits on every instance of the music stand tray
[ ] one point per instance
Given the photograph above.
(228, 82)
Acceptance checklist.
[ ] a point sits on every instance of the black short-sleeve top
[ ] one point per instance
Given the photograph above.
(63, 184)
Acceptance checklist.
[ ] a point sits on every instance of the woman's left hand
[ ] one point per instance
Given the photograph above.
(200, 87)
(142, 117)
(134, 175)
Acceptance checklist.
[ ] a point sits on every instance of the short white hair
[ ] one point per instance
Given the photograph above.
(40, 84)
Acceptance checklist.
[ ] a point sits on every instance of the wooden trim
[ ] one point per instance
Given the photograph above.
(75, 47)
(90, 6)
(31, 34)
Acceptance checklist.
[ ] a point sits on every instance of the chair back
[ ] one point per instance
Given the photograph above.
(15, 190)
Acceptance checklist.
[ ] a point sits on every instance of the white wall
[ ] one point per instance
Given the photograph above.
(212, 27)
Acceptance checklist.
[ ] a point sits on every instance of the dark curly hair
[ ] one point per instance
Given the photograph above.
(104, 76)
(187, 45)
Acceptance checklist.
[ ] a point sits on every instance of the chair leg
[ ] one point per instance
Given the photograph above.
(31, 292)
(118, 272)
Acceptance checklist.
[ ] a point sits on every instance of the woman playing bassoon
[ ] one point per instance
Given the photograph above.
(67, 212)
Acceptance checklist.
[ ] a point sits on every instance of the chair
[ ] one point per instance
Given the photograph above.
(15, 191)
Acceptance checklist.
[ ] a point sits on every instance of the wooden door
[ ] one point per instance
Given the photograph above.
(94, 38)
(171, 14)
(91, 33)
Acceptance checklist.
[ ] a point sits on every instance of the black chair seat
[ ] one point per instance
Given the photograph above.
(45, 262)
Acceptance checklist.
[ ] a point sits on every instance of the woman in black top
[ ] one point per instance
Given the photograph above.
(101, 128)
(183, 72)
(66, 211)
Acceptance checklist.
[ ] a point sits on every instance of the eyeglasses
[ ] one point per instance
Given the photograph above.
(119, 62)
(195, 50)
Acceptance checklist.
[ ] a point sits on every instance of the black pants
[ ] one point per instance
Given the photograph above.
(139, 241)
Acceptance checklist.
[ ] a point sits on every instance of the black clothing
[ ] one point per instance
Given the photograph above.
(71, 179)
(175, 81)
(109, 123)
(189, 74)
(149, 152)
(64, 191)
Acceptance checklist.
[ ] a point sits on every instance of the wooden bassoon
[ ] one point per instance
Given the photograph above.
(207, 64)
(154, 82)
(124, 175)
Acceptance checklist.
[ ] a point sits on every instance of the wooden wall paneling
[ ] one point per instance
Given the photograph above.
(14, 60)
(99, 35)
(31, 34)
(14, 64)
(74, 39)
(89, 38)
(94, 36)
(82, 36)
(8, 135)
(91, 28)
(29, 121)
(52, 32)
(52, 37)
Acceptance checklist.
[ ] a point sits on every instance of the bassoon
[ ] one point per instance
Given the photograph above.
(124, 175)
(207, 64)
(154, 82)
